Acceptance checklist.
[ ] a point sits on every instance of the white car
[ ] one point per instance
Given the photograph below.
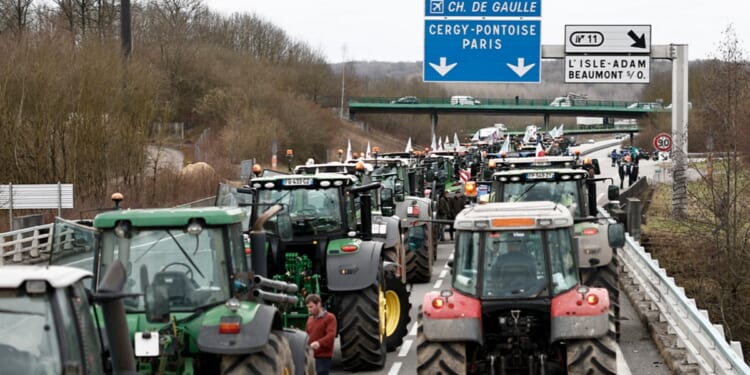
(591, 141)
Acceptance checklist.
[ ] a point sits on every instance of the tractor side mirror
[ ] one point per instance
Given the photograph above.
(597, 170)
(616, 234)
(613, 192)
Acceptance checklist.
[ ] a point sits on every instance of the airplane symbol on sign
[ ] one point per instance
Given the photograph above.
(437, 6)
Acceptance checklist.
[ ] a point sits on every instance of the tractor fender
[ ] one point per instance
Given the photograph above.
(388, 225)
(257, 321)
(593, 244)
(298, 343)
(459, 319)
(574, 318)
(356, 270)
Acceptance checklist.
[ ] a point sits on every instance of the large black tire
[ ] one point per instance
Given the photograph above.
(592, 356)
(607, 277)
(397, 307)
(446, 358)
(418, 263)
(275, 358)
(362, 341)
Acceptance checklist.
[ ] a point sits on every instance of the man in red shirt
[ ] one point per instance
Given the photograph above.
(321, 327)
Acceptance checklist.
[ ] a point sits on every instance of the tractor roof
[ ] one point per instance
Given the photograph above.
(170, 217)
(516, 215)
(332, 167)
(296, 181)
(538, 162)
(13, 276)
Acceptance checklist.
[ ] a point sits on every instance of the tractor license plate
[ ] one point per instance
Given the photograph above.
(298, 181)
(147, 344)
(539, 175)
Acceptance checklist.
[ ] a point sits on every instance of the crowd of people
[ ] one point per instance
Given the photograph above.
(626, 162)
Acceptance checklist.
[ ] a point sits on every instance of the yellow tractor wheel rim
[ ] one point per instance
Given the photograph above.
(382, 313)
(393, 311)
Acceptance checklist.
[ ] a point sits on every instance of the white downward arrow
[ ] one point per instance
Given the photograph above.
(520, 68)
(443, 69)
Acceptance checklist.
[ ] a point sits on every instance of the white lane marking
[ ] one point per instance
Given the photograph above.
(438, 284)
(413, 330)
(395, 368)
(404, 351)
(443, 273)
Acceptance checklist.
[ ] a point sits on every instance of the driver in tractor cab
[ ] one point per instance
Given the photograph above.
(515, 268)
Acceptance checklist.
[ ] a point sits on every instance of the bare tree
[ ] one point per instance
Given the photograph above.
(14, 15)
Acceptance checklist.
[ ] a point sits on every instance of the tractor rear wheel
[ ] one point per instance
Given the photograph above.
(593, 356)
(361, 335)
(275, 358)
(397, 307)
(418, 263)
(448, 358)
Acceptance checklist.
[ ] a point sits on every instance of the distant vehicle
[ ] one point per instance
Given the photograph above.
(567, 100)
(647, 105)
(590, 141)
(464, 100)
(406, 100)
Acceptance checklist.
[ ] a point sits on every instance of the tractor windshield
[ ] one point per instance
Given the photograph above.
(562, 192)
(305, 211)
(512, 264)
(28, 334)
(191, 267)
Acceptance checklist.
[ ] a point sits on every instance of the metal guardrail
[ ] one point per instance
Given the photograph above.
(705, 342)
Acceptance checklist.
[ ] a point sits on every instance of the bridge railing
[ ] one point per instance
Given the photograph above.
(25, 244)
(504, 101)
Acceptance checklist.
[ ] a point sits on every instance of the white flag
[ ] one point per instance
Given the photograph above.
(455, 140)
(408, 146)
(433, 145)
(506, 144)
(368, 154)
(348, 149)
(440, 144)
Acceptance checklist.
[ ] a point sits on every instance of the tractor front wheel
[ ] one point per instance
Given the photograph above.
(275, 358)
(447, 358)
(593, 356)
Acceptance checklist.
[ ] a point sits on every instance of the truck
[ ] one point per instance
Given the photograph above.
(195, 305)
(570, 181)
(516, 304)
(47, 326)
(323, 241)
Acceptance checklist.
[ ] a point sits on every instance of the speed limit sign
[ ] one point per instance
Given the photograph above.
(663, 142)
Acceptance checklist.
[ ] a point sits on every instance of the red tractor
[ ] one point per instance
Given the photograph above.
(516, 303)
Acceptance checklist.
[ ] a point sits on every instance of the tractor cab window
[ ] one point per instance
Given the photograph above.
(28, 334)
(191, 268)
(514, 264)
(466, 263)
(306, 211)
(562, 261)
(562, 192)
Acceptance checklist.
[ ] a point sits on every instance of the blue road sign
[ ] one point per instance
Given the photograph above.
(482, 51)
(483, 8)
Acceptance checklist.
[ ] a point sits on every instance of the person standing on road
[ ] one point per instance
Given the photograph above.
(321, 327)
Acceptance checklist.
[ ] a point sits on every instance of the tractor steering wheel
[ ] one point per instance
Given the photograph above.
(189, 272)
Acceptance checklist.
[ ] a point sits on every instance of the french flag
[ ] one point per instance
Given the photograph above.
(464, 175)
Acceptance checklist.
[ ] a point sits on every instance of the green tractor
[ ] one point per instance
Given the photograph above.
(323, 241)
(195, 307)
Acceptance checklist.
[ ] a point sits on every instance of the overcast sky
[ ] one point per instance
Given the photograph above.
(392, 30)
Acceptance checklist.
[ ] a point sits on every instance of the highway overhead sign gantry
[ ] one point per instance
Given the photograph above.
(608, 39)
(482, 41)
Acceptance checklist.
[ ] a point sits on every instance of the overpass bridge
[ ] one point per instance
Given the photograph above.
(512, 107)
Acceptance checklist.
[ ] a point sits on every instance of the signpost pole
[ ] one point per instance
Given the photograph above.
(679, 54)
